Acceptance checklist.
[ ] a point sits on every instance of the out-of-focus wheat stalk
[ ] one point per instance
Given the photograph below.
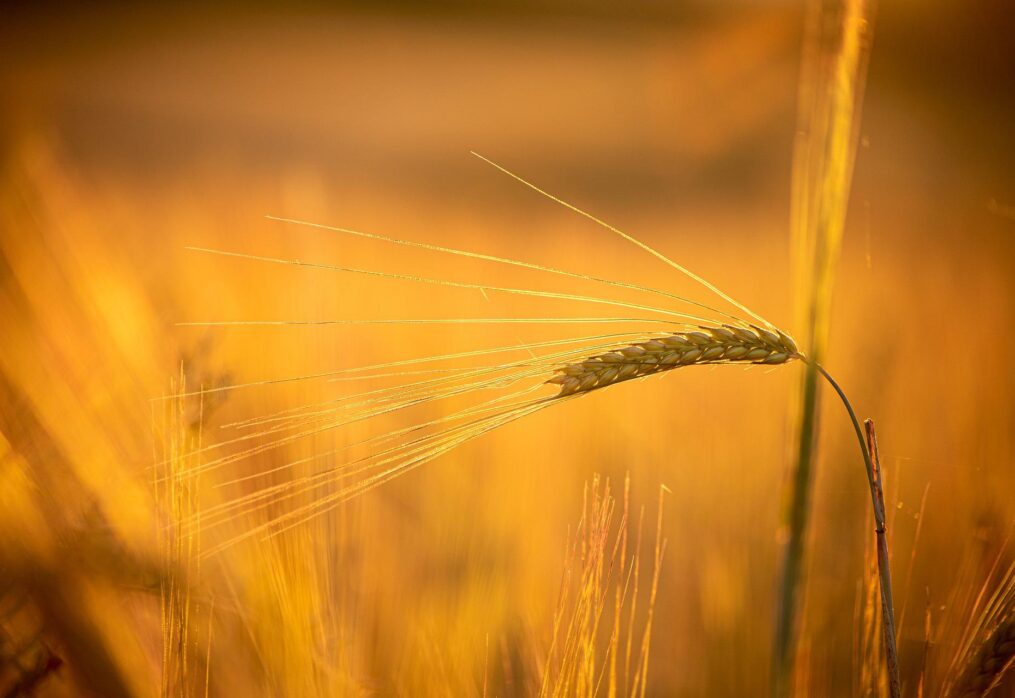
(987, 649)
(985, 669)
(830, 99)
(176, 497)
(591, 650)
(75, 529)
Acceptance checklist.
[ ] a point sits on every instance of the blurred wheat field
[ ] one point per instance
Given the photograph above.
(129, 138)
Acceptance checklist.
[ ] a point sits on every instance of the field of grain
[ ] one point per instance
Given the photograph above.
(626, 543)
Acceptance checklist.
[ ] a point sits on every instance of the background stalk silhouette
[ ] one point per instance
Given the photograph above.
(830, 98)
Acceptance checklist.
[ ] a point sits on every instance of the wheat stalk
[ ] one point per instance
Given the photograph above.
(605, 360)
(725, 344)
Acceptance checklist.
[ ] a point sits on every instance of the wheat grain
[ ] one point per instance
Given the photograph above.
(721, 344)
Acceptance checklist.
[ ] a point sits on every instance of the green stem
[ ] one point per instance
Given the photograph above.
(798, 508)
(859, 437)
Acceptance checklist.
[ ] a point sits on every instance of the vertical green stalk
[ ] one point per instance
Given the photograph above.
(796, 523)
(831, 91)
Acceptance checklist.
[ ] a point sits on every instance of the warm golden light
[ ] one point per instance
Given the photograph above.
(275, 345)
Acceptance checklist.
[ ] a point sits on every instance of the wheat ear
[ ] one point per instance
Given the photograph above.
(981, 666)
(985, 669)
(720, 344)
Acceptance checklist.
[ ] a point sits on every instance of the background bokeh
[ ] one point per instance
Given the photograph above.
(129, 133)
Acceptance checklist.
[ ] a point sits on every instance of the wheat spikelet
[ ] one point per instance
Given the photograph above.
(720, 344)
(987, 649)
(987, 666)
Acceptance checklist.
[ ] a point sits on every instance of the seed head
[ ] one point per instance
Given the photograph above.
(713, 345)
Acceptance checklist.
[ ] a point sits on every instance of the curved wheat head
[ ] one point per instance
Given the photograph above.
(716, 345)
(676, 332)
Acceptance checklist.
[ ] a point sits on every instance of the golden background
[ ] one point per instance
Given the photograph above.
(130, 134)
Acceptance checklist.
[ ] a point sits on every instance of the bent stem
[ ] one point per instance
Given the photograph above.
(869, 449)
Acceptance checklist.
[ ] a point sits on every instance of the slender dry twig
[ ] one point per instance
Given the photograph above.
(869, 450)
(881, 531)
